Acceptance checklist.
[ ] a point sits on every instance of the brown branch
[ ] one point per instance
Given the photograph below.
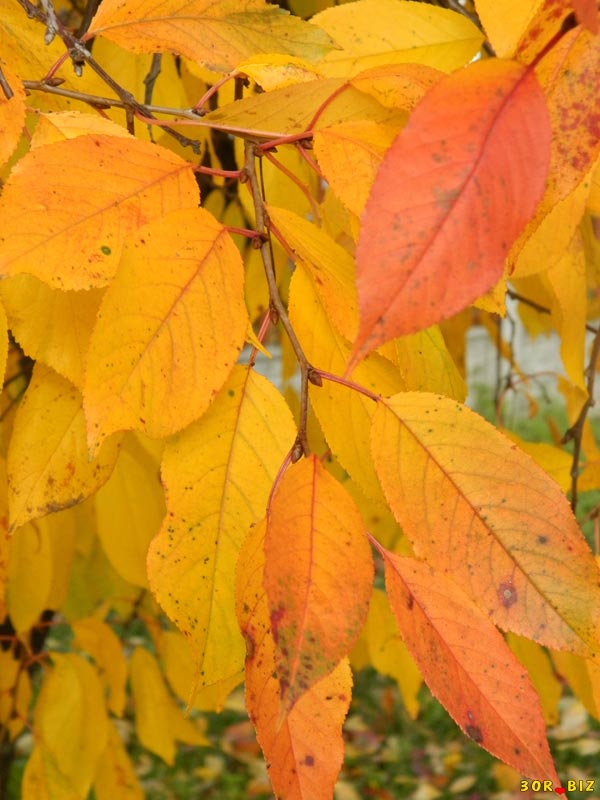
(278, 309)
(575, 432)
(4, 84)
(538, 307)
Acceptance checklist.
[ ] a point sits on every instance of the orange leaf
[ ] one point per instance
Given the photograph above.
(303, 749)
(478, 508)
(169, 330)
(12, 113)
(55, 228)
(318, 576)
(450, 198)
(217, 35)
(468, 666)
(586, 12)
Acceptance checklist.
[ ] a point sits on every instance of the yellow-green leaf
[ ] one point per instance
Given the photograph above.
(55, 228)
(483, 512)
(217, 476)
(169, 329)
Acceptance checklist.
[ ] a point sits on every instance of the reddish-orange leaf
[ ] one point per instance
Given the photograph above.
(304, 748)
(586, 12)
(318, 576)
(468, 666)
(452, 194)
(478, 508)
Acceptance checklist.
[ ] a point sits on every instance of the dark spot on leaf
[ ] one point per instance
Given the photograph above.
(542, 539)
(475, 733)
(309, 761)
(507, 594)
(106, 250)
(410, 602)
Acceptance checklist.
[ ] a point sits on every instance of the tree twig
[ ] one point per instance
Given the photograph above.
(575, 432)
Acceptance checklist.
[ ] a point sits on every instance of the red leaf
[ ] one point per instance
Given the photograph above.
(452, 194)
(586, 12)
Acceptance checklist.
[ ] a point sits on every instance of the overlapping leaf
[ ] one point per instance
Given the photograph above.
(303, 746)
(12, 113)
(217, 476)
(56, 228)
(169, 329)
(481, 511)
(217, 35)
(451, 171)
(318, 576)
(468, 666)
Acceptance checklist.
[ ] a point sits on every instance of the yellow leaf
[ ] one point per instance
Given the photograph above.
(158, 719)
(170, 328)
(60, 125)
(48, 466)
(533, 657)
(129, 510)
(57, 230)
(62, 535)
(330, 266)
(3, 343)
(425, 365)
(397, 85)
(217, 476)
(373, 32)
(556, 462)
(51, 325)
(23, 698)
(505, 21)
(292, 110)
(9, 673)
(316, 612)
(42, 779)
(12, 112)
(583, 676)
(350, 155)
(389, 654)
(115, 777)
(331, 402)
(498, 524)
(275, 71)
(71, 722)
(29, 575)
(217, 36)
(102, 644)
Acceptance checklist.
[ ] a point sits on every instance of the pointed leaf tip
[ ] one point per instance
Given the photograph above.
(452, 194)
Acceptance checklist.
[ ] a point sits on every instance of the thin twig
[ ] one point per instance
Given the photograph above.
(575, 432)
(8, 92)
(278, 309)
(537, 307)
(149, 83)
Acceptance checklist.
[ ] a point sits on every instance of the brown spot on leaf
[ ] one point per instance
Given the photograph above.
(475, 733)
(507, 594)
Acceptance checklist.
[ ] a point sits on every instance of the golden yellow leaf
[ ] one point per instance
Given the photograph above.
(498, 524)
(71, 238)
(129, 510)
(5, 538)
(327, 350)
(62, 535)
(12, 112)
(22, 704)
(56, 126)
(414, 32)
(42, 779)
(274, 71)
(169, 329)
(304, 748)
(50, 325)
(388, 653)
(176, 658)
(556, 462)
(349, 155)
(115, 777)
(505, 21)
(71, 723)
(48, 466)
(9, 673)
(425, 365)
(217, 36)
(3, 343)
(158, 719)
(292, 110)
(217, 476)
(318, 576)
(29, 577)
(397, 85)
(542, 675)
(99, 641)
(583, 676)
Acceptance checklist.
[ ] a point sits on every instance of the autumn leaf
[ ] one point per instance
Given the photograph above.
(211, 504)
(500, 527)
(303, 746)
(71, 238)
(177, 301)
(218, 36)
(450, 170)
(12, 113)
(316, 614)
(468, 665)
